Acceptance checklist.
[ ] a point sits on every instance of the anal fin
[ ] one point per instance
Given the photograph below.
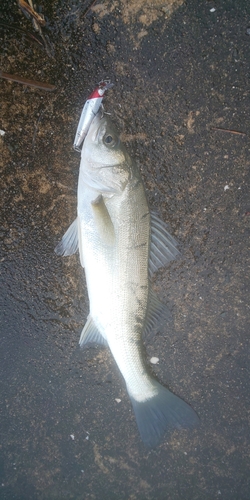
(69, 242)
(91, 334)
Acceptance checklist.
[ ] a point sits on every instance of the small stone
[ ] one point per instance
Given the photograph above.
(154, 360)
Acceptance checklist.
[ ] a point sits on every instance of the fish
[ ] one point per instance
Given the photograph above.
(121, 245)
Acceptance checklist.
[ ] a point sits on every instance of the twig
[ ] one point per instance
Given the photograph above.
(25, 81)
(34, 20)
(29, 11)
(228, 130)
(26, 33)
(37, 21)
(85, 12)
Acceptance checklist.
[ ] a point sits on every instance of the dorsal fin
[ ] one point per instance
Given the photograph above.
(163, 247)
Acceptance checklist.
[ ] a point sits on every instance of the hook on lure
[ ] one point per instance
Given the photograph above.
(89, 111)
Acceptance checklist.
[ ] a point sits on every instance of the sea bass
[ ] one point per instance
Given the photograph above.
(121, 243)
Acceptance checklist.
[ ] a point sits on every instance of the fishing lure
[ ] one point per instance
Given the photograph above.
(90, 109)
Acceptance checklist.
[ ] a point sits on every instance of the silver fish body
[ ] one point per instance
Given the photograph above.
(121, 243)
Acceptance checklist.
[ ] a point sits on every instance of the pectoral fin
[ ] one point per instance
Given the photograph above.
(69, 242)
(100, 186)
(103, 221)
(91, 334)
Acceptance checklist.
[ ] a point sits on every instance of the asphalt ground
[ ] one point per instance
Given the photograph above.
(181, 101)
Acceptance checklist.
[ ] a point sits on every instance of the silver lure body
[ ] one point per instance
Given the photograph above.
(90, 109)
(120, 245)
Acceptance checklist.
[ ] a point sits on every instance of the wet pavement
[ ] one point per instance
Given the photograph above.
(181, 74)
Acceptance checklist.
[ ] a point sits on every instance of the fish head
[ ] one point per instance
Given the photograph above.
(105, 163)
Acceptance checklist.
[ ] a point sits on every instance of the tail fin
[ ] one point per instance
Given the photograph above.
(163, 411)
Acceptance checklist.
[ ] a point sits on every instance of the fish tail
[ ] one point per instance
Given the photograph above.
(162, 412)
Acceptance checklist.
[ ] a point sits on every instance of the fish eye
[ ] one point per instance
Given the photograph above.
(108, 139)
